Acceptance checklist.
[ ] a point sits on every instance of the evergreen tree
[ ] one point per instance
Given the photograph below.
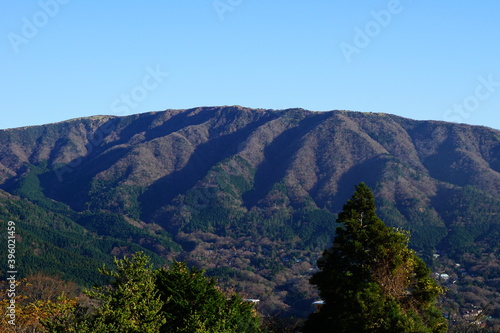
(130, 304)
(143, 300)
(370, 280)
(193, 303)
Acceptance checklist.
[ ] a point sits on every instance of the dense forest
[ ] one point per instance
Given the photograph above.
(252, 197)
(369, 281)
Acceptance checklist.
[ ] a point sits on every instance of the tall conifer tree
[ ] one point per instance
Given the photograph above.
(370, 280)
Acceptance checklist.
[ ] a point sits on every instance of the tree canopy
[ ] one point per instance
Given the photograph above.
(131, 303)
(370, 281)
(193, 303)
(141, 299)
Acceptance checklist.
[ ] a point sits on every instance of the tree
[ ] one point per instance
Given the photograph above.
(193, 303)
(140, 299)
(38, 298)
(42, 287)
(130, 304)
(370, 281)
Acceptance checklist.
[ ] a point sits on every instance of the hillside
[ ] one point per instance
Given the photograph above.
(250, 195)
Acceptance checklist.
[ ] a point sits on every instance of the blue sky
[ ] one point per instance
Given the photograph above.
(64, 59)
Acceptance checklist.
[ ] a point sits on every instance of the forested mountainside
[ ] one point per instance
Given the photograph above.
(251, 195)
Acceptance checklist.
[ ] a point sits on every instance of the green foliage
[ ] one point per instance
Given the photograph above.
(224, 274)
(475, 217)
(30, 187)
(211, 218)
(101, 194)
(130, 304)
(110, 224)
(114, 195)
(240, 183)
(193, 303)
(142, 300)
(370, 280)
(115, 226)
(315, 228)
(132, 206)
(54, 243)
(211, 186)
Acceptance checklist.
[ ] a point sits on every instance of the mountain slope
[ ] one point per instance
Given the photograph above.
(252, 194)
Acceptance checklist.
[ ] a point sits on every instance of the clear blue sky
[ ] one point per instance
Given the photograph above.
(422, 59)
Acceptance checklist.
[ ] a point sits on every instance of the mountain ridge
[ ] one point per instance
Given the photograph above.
(277, 144)
(176, 182)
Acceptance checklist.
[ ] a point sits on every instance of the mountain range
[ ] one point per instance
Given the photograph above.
(251, 195)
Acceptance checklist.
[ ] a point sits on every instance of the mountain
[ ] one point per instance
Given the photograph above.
(249, 194)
